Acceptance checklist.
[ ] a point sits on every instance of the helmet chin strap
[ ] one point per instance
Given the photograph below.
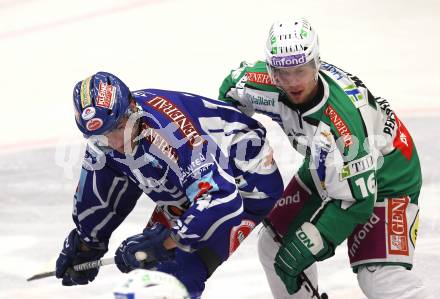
(317, 66)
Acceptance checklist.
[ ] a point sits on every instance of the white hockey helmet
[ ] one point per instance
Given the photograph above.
(292, 43)
(146, 284)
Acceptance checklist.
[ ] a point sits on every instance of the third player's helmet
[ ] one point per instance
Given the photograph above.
(146, 284)
(100, 102)
(292, 43)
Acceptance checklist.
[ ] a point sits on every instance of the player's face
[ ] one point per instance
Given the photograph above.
(298, 83)
(120, 138)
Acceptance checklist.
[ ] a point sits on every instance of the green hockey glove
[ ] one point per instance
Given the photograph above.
(298, 252)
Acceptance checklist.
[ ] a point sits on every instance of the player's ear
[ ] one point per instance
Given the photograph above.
(133, 106)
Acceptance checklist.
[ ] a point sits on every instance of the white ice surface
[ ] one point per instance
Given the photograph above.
(46, 46)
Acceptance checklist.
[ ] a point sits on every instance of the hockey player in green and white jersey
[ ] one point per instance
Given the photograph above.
(361, 175)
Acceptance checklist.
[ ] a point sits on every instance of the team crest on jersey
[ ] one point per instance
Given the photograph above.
(200, 188)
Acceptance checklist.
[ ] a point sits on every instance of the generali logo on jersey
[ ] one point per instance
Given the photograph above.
(173, 113)
(397, 226)
(153, 137)
(259, 78)
(340, 125)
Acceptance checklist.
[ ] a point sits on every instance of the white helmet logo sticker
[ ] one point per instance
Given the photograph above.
(88, 113)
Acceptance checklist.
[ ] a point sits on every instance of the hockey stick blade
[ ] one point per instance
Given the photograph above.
(79, 267)
(41, 275)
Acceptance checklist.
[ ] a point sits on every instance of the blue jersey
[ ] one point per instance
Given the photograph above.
(207, 166)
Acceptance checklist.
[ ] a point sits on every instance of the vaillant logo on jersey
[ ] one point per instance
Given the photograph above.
(153, 137)
(340, 125)
(356, 167)
(106, 95)
(262, 98)
(259, 78)
(397, 226)
(173, 113)
(288, 61)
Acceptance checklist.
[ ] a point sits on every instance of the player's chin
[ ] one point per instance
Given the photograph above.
(296, 97)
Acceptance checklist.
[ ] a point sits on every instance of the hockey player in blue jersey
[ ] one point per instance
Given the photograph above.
(208, 167)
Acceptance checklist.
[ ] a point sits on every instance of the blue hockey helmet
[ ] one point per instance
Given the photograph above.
(100, 102)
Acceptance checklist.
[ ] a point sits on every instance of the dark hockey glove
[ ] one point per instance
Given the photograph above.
(75, 252)
(300, 250)
(149, 244)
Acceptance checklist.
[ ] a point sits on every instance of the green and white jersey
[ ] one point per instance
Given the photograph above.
(356, 149)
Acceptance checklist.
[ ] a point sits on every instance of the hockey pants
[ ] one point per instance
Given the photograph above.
(376, 282)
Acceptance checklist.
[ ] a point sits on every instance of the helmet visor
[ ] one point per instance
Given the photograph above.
(285, 76)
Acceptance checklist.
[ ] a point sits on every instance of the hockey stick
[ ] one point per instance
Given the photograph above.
(79, 267)
(303, 277)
